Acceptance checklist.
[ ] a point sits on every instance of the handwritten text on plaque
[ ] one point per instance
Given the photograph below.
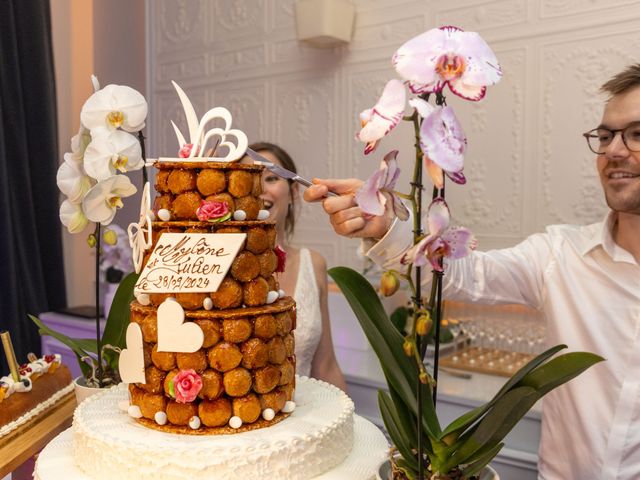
(189, 262)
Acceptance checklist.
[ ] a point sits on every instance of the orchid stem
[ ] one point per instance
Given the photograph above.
(98, 336)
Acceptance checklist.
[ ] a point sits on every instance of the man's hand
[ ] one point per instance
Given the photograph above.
(345, 216)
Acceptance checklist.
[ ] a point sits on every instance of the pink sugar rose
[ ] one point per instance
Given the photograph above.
(185, 151)
(213, 211)
(186, 386)
(282, 258)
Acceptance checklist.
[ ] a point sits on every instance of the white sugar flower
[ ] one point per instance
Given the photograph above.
(119, 151)
(100, 203)
(72, 180)
(115, 106)
(72, 217)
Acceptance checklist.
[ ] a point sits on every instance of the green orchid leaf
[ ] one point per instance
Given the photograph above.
(87, 344)
(481, 460)
(469, 418)
(406, 421)
(401, 371)
(75, 346)
(405, 468)
(115, 329)
(495, 425)
(400, 438)
(515, 403)
(559, 370)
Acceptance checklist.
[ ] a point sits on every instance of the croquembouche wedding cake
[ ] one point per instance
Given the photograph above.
(209, 367)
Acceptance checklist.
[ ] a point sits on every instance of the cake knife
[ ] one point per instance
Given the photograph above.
(280, 171)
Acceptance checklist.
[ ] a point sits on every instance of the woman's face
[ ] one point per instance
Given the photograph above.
(276, 192)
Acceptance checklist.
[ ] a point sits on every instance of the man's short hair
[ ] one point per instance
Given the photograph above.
(624, 81)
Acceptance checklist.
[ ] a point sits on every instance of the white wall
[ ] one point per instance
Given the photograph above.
(526, 166)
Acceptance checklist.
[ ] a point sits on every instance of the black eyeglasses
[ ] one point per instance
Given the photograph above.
(599, 139)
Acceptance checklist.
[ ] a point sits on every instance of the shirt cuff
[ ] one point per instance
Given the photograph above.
(390, 248)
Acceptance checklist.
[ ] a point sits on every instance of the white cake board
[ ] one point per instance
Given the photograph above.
(369, 450)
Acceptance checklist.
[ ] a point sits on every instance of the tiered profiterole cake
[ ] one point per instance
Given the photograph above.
(209, 362)
(246, 364)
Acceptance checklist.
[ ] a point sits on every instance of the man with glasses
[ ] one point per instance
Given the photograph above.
(586, 281)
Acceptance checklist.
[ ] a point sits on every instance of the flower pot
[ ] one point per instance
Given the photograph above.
(384, 472)
(82, 391)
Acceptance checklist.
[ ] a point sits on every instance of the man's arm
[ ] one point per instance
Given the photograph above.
(513, 275)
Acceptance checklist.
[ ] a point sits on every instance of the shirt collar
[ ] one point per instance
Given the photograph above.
(603, 237)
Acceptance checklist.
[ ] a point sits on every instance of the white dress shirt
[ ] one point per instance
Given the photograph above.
(588, 288)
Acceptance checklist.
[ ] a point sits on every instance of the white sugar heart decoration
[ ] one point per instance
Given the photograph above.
(173, 334)
(131, 362)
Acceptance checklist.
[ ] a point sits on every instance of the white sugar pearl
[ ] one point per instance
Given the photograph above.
(134, 411)
(207, 304)
(123, 405)
(160, 418)
(152, 215)
(143, 299)
(289, 407)
(170, 299)
(240, 215)
(268, 414)
(272, 296)
(235, 422)
(281, 293)
(194, 422)
(164, 214)
(263, 214)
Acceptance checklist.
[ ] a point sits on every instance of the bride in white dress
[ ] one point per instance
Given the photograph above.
(305, 276)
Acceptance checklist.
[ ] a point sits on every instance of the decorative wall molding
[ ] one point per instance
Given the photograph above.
(527, 164)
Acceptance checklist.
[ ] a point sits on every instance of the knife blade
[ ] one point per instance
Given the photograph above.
(280, 171)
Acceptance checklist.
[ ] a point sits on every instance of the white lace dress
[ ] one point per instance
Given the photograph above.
(309, 317)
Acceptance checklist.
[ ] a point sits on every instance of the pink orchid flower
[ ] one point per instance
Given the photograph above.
(442, 241)
(384, 116)
(448, 56)
(372, 197)
(443, 143)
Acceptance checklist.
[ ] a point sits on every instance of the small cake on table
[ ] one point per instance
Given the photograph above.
(31, 388)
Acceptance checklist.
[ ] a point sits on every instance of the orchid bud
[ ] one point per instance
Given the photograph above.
(423, 324)
(423, 377)
(92, 241)
(407, 346)
(389, 284)
(110, 237)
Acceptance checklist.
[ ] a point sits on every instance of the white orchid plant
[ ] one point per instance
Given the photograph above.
(91, 178)
(440, 58)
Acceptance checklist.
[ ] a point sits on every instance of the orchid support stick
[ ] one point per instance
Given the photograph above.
(98, 236)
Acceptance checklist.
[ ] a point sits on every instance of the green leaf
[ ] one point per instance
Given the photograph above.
(87, 344)
(469, 418)
(400, 438)
(76, 345)
(559, 370)
(69, 342)
(513, 405)
(401, 371)
(115, 329)
(399, 318)
(481, 461)
(495, 425)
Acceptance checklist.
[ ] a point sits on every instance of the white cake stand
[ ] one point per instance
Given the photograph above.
(369, 450)
(318, 403)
